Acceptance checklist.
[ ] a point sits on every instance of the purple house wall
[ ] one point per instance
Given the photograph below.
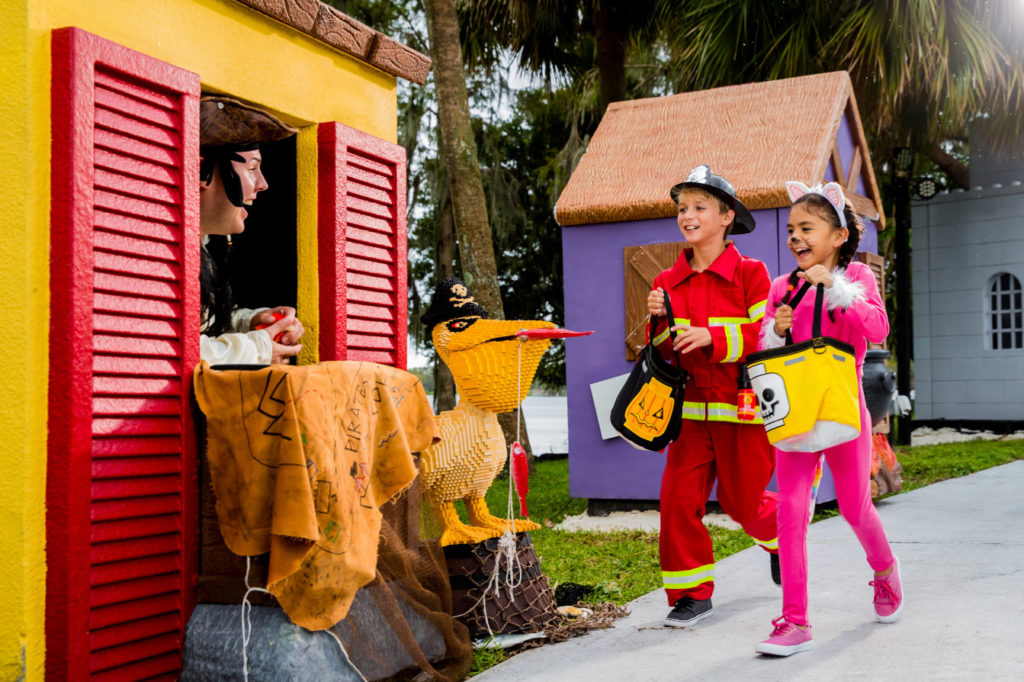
(595, 299)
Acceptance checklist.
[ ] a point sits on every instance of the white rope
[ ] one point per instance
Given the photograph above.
(247, 618)
(247, 628)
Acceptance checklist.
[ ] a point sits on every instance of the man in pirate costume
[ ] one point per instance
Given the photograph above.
(230, 134)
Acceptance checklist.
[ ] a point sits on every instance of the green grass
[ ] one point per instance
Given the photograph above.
(927, 464)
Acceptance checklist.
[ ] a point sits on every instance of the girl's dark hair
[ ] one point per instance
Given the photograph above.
(824, 210)
(215, 287)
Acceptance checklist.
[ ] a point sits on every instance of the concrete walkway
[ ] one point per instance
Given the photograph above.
(961, 546)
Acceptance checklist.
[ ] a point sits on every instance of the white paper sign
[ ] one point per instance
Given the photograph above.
(604, 394)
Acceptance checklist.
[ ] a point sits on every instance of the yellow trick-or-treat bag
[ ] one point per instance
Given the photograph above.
(807, 391)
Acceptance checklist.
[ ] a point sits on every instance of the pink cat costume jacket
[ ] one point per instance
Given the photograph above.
(857, 316)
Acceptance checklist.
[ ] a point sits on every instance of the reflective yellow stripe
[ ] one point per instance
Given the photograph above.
(733, 343)
(723, 321)
(724, 412)
(664, 335)
(678, 580)
(756, 311)
(693, 410)
(770, 544)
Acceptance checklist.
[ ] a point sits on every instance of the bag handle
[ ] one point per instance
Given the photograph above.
(819, 298)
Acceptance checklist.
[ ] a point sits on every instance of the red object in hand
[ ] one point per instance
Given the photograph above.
(264, 325)
(520, 469)
(550, 333)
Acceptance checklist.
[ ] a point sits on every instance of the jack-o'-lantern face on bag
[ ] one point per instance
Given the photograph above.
(649, 413)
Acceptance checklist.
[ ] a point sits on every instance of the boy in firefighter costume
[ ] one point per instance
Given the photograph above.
(718, 298)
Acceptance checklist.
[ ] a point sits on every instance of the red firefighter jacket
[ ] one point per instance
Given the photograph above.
(729, 299)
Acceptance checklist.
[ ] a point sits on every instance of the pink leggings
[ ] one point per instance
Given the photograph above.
(850, 464)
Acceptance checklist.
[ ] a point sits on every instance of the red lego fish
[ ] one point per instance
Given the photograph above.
(520, 470)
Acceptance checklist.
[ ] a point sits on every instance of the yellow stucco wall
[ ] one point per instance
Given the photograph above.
(234, 50)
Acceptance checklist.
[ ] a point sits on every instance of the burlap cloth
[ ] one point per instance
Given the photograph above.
(301, 459)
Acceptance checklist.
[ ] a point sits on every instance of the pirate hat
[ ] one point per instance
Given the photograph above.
(451, 301)
(702, 178)
(224, 121)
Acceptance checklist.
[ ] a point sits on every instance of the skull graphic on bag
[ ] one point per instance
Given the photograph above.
(771, 396)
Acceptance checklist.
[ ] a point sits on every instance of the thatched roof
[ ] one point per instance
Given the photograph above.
(757, 135)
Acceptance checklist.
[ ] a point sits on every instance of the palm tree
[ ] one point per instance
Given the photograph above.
(922, 70)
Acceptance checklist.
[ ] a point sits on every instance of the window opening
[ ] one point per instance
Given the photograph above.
(1005, 312)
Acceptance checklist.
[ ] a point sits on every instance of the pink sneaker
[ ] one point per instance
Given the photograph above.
(888, 595)
(786, 639)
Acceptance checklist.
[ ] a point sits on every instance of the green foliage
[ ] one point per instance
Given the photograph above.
(486, 658)
(927, 464)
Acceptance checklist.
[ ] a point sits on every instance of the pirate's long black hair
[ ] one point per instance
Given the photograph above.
(215, 286)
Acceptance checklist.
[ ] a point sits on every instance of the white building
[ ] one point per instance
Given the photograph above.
(968, 272)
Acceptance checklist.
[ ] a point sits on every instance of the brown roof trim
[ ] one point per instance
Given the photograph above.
(345, 34)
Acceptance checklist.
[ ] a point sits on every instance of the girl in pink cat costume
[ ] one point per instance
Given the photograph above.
(823, 235)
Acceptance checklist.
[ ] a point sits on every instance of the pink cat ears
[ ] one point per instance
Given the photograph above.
(831, 191)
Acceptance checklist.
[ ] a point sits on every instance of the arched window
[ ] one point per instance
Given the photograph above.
(1005, 328)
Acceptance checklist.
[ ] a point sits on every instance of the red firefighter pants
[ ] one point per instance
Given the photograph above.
(741, 457)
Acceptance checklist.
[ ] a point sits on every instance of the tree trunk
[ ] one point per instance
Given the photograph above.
(444, 383)
(458, 151)
(465, 183)
(611, 55)
(955, 170)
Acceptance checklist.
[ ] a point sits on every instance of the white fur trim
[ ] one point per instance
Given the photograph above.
(768, 336)
(844, 291)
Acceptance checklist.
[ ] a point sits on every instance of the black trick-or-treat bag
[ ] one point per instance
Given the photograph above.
(648, 409)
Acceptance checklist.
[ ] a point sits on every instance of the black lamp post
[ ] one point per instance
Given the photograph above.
(903, 165)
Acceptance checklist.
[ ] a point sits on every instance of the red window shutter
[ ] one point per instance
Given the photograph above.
(362, 247)
(124, 337)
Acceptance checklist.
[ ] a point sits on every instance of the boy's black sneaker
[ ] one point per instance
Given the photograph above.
(688, 611)
(776, 569)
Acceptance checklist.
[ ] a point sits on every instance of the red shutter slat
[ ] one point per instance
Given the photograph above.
(140, 206)
(109, 531)
(369, 267)
(136, 426)
(354, 248)
(119, 593)
(128, 447)
(134, 225)
(368, 296)
(371, 208)
(137, 248)
(371, 193)
(379, 357)
(363, 341)
(117, 657)
(110, 98)
(379, 283)
(140, 168)
(112, 120)
(136, 325)
(108, 364)
(362, 161)
(133, 148)
(137, 286)
(369, 327)
(372, 312)
(368, 237)
(136, 266)
(148, 669)
(139, 629)
(117, 614)
(121, 489)
(368, 222)
(128, 509)
(135, 346)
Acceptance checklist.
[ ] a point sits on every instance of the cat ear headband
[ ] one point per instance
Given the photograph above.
(831, 191)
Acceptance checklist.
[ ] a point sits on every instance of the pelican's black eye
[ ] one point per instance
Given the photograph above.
(459, 325)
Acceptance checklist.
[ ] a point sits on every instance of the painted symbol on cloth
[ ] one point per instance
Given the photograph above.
(360, 475)
(331, 531)
(270, 397)
(771, 396)
(322, 496)
(649, 412)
